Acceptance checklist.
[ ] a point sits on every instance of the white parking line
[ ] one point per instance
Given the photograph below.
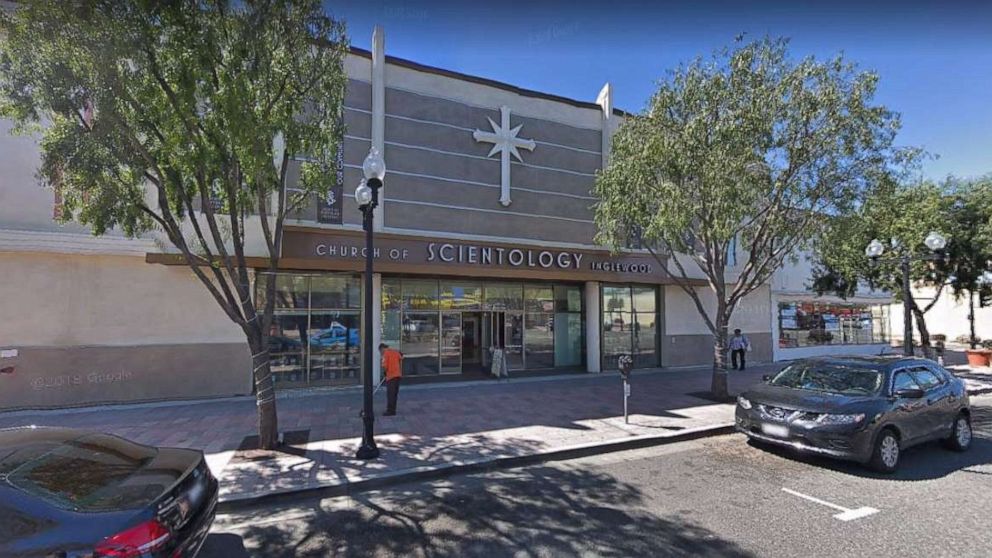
(845, 514)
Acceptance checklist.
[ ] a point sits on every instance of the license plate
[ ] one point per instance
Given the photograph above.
(775, 430)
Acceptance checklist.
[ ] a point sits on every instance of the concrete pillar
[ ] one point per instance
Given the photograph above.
(594, 326)
(376, 327)
(379, 115)
(605, 101)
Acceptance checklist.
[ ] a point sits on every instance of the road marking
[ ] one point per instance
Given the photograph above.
(845, 514)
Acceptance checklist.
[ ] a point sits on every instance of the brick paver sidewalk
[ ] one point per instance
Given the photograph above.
(437, 425)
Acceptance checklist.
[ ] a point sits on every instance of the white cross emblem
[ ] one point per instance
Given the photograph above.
(505, 141)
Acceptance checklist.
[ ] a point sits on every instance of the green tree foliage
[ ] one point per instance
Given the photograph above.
(749, 148)
(904, 214)
(969, 249)
(181, 118)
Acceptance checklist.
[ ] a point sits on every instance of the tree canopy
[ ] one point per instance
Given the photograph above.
(748, 151)
(900, 216)
(182, 118)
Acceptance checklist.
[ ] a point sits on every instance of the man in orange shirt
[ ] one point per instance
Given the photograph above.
(392, 366)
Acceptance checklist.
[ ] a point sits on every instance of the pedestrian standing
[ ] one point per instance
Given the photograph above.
(739, 346)
(392, 365)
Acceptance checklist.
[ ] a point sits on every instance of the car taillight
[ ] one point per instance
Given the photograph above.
(135, 542)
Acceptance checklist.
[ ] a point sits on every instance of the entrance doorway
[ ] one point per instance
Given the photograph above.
(472, 346)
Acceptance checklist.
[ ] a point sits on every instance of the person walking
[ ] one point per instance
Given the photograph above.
(739, 346)
(392, 365)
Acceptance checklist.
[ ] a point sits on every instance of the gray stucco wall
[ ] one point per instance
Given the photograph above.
(46, 377)
(693, 350)
(440, 180)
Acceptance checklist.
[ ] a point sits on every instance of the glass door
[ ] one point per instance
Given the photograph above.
(451, 343)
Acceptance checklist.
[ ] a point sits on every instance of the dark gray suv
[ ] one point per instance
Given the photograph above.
(864, 409)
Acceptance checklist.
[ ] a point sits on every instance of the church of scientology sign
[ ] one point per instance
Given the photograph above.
(409, 254)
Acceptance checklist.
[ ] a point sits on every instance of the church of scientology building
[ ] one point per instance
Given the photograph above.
(484, 238)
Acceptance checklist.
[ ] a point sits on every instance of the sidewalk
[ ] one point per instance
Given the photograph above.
(439, 427)
(977, 379)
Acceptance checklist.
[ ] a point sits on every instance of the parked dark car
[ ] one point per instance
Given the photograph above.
(66, 493)
(864, 409)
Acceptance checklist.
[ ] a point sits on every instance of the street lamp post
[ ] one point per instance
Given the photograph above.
(367, 196)
(936, 243)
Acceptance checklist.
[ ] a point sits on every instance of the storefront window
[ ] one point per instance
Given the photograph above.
(806, 324)
(288, 348)
(504, 296)
(451, 342)
(420, 343)
(630, 325)
(461, 296)
(392, 298)
(452, 332)
(335, 347)
(335, 291)
(419, 295)
(567, 325)
(539, 335)
(315, 338)
(292, 291)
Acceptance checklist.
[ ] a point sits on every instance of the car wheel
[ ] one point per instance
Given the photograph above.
(961, 435)
(885, 457)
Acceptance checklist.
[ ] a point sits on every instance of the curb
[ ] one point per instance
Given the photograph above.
(444, 470)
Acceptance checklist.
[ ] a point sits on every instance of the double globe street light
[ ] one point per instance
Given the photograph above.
(367, 196)
(936, 243)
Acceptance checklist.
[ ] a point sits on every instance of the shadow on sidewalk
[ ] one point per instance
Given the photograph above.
(536, 511)
(334, 462)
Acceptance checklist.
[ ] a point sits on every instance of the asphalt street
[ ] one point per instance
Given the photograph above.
(712, 497)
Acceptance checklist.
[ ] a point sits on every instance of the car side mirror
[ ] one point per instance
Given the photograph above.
(766, 378)
(909, 393)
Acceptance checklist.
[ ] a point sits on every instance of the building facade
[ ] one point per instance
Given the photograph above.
(485, 237)
(805, 324)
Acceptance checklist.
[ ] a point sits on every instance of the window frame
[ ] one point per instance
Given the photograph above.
(904, 370)
(918, 369)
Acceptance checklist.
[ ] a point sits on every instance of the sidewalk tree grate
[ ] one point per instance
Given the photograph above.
(294, 442)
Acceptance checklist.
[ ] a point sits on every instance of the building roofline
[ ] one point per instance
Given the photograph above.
(402, 62)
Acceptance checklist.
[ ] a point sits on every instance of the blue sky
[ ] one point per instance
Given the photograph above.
(934, 58)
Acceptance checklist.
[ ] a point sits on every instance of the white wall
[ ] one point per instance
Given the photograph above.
(72, 300)
(796, 277)
(948, 316)
(24, 203)
(682, 317)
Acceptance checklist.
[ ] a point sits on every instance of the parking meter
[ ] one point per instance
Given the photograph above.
(625, 363)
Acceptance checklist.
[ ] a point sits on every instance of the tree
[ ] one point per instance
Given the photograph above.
(969, 248)
(182, 118)
(905, 214)
(749, 148)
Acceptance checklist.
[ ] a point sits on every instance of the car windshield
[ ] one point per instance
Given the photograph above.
(90, 473)
(829, 378)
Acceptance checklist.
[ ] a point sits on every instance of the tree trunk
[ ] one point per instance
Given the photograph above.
(921, 326)
(265, 395)
(971, 319)
(718, 386)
